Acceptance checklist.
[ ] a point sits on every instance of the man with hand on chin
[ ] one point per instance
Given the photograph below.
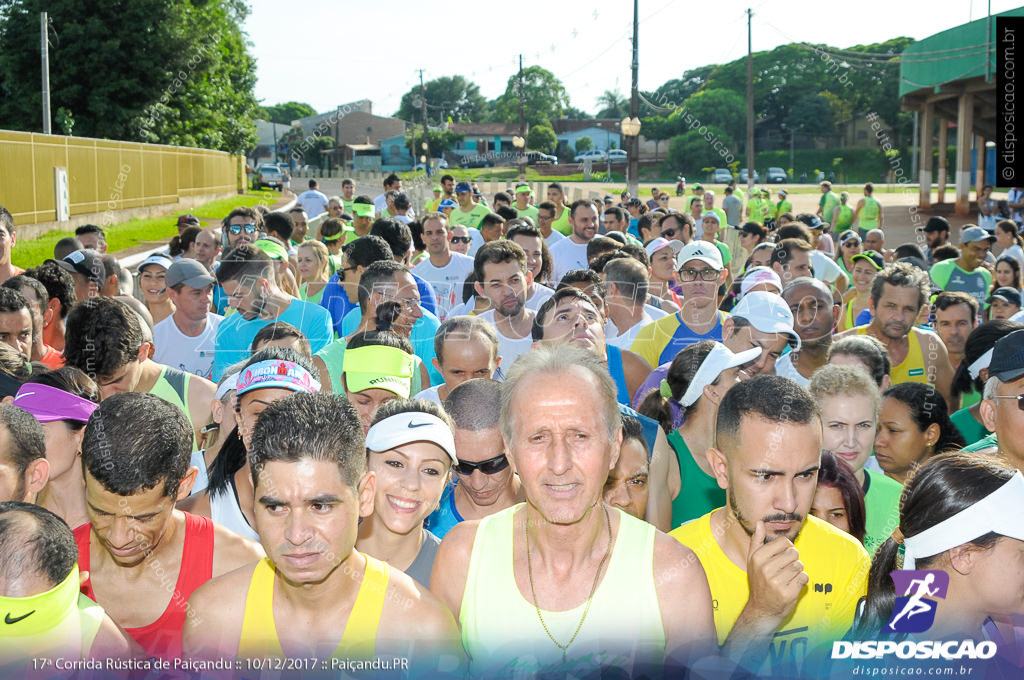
(786, 584)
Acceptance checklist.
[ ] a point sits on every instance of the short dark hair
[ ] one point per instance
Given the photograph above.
(475, 405)
(366, 250)
(376, 273)
(793, 230)
(502, 196)
(6, 220)
(630, 277)
(27, 441)
(908, 250)
(547, 205)
(506, 212)
(245, 261)
(11, 301)
(34, 541)
(22, 281)
(617, 212)
(279, 223)
(784, 249)
(947, 251)
(646, 222)
(248, 213)
(66, 246)
(948, 298)
(111, 267)
(637, 252)
(347, 181)
(580, 203)
(103, 334)
(391, 179)
(491, 219)
(136, 440)
(540, 320)
(58, 283)
(586, 276)
(601, 262)
(396, 233)
(498, 252)
(279, 330)
(769, 397)
(320, 426)
(558, 186)
(91, 229)
(402, 201)
(599, 245)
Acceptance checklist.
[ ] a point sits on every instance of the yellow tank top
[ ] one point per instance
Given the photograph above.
(912, 368)
(259, 634)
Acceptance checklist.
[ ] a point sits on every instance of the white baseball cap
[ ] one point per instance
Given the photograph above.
(719, 359)
(707, 253)
(657, 244)
(408, 427)
(755, 276)
(768, 313)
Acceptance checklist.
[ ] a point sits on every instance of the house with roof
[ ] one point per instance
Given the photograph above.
(363, 141)
(603, 132)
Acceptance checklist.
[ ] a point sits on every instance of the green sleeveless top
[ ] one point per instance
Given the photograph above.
(503, 635)
(699, 492)
(869, 214)
(881, 508)
(172, 386)
(843, 220)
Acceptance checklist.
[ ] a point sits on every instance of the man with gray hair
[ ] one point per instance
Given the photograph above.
(628, 282)
(1000, 404)
(482, 481)
(561, 427)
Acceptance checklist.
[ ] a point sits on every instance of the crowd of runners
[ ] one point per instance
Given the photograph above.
(511, 435)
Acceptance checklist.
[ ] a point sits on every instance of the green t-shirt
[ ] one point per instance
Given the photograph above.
(783, 207)
(758, 209)
(844, 219)
(529, 211)
(561, 224)
(868, 218)
(469, 219)
(726, 252)
(948, 276)
(881, 508)
(699, 492)
(969, 427)
(828, 204)
(983, 443)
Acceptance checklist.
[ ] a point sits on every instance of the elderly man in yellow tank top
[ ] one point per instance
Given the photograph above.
(564, 583)
(898, 293)
(315, 596)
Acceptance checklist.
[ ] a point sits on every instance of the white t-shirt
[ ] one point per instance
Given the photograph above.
(192, 355)
(313, 202)
(784, 368)
(509, 349)
(447, 281)
(540, 294)
(567, 255)
(825, 268)
(554, 238)
(430, 394)
(625, 340)
(1014, 251)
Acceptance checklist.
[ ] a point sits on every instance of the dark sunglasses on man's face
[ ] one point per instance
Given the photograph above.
(669, 233)
(236, 229)
(460, 239)
(488, 467)
(1019, 398)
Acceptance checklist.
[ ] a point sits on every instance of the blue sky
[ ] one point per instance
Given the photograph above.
(327, 53)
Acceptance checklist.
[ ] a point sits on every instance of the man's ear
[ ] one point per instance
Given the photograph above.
(53, 310)
(145, 350)
(365, 492)
(719, 466)
(987, 410)
(185, 488)
(37, 474)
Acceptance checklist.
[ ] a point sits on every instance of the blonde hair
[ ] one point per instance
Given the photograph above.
(832, 380)
(323, 255)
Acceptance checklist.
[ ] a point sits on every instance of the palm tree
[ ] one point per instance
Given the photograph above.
(614, 104)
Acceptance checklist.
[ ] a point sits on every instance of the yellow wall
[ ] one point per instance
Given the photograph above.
(105, 175)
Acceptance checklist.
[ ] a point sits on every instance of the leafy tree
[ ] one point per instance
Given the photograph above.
(614, 104)
(447, 97)
(572, 113)
(724, 109)
(287, 112)
(438, 140)
(676, 91)
(584, 143)
(692, 151)
(541, 138)
(812, 114)
(544, 98)
(142, 70)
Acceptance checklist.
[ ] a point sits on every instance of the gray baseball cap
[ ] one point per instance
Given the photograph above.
(189, 272)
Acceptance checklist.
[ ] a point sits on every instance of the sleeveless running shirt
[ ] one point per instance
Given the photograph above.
(912, 368)
(259, 632)
(162, 638)
(614, 355)
(699, 492)
(868, 218)
(501, 631)
(172, 387)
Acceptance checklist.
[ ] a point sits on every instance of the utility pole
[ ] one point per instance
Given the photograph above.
(750, 107)
(426, 138)
(44, 28)
(522, 124)
(634, 108)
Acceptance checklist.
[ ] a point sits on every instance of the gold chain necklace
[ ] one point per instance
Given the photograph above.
(593, 589)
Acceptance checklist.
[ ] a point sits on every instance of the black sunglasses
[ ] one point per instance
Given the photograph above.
(237, 228)
(669, 233)
(488, 467)
(460, 239)
(1019, 398)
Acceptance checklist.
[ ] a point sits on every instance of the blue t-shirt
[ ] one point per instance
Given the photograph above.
(446, 516)
(422, 339)
(235, 334)
(338, 305)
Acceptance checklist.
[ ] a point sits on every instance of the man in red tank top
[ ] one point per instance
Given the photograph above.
(144, 557)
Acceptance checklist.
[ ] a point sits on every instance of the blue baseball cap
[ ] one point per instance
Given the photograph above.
(463, 186)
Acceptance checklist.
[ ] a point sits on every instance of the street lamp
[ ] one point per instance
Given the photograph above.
(424, 158)
(520, 144)
(631, 130)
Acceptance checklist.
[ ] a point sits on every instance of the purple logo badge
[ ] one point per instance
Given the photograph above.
(914, 611)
